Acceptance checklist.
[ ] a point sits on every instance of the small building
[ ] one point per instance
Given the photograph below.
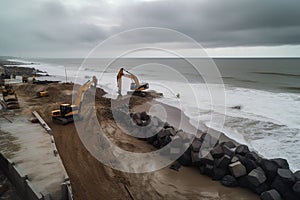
(2, 71)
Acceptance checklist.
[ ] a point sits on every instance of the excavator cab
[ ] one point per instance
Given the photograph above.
(133, 86)
(65, 109)
(143, 86)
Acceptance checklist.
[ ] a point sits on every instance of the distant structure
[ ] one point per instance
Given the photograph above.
(2, 71)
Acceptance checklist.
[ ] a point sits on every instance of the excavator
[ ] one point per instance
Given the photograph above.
(135, 86)
(67, 112)
(7, 90)
(43, 93)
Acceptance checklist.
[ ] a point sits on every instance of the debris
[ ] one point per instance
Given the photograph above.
(176, 166)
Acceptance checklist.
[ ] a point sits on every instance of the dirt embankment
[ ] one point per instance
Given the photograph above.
(90, 179)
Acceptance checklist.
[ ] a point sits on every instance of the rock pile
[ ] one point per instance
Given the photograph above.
(7, 191)
(233, 165)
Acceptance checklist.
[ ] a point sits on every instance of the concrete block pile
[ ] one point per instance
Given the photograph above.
(233, 165)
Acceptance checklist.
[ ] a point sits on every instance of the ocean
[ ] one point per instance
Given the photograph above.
(267, 91)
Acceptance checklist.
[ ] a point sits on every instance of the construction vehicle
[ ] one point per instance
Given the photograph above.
(7, 90)
(43, 93)
(135, 86)
(67, 112)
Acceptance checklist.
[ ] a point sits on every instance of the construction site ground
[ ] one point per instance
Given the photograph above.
(91, 179)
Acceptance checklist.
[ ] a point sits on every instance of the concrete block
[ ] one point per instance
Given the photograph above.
(196, 144)
(257, 177)
(229, 181)
(286, 176)
(195, 157)
(270, 195)
(242, 150)
(223, 162)
(237, 169)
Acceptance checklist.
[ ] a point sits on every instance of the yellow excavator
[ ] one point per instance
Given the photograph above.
(43, 93)
(7, 90)
(135, 86)
(67, 112)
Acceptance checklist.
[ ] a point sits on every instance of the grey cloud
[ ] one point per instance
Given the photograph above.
(222, 23)
(35, 26)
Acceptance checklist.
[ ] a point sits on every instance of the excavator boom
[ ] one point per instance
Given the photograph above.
(83, 89)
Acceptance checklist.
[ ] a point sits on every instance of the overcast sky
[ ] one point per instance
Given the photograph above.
(71, 28)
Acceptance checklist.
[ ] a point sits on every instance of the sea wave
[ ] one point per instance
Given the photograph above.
(277, 74)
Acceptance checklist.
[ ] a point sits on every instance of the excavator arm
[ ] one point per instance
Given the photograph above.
(138, 86)
(84, 88)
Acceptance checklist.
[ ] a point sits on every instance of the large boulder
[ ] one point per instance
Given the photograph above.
(195, 157)
(245, 183)
(228, 151)
(207, 169)
(229, 181)
(296, 188)
(234, 159)
(186, 159)
(279, 185)
(237, 169)
(290, 195)
(217, 151)
(270, 169)
(162, 134)
(270, 195)
(163, 138)
(218, 173)
(229, 144)
(144, 116)
(257, 177)
(206, 158)
(242, 150)
(208, 141)
(261, 188)
(248, 163)
(286, 176)
(152, 139)
(196, 144)
(223, 162)
(167, 125)
(297, 175)
(252, 156)
(282, 163)
(136, 116)
(165, 141)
